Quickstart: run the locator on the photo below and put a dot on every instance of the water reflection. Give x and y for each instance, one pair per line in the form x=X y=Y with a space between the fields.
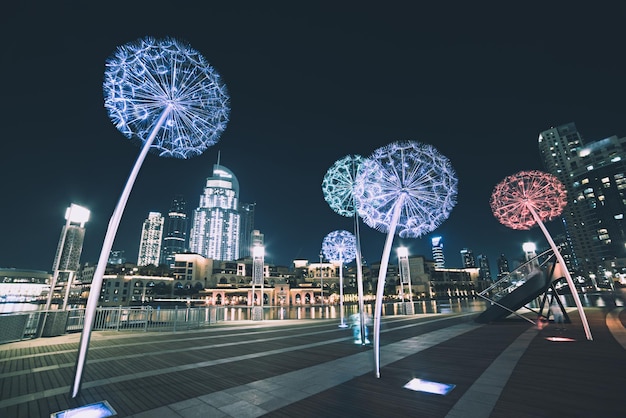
x=457 y=305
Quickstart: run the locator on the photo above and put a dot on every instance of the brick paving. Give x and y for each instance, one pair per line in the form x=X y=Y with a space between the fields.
x=309 y=368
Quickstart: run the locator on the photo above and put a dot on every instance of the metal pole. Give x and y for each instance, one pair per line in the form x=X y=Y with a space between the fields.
x=321 y=285
x=359 y=279
x=342 y=324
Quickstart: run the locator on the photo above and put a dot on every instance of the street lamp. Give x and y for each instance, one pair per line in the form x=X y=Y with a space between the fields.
x=67 y=258
x=405 y=278
x=258 y=254
x=321 y=283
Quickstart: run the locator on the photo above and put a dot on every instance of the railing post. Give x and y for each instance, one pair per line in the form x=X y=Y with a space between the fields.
x=175 y=316
x=119 y=317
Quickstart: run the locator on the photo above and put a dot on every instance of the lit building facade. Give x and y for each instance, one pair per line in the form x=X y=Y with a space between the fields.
x=216 y=222
x=150 y=244
x=192 y=272
x=175 y=231
x=594 y=175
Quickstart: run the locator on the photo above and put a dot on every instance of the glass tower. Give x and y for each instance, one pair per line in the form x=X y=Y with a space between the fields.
x=594 y=175
x=175 y=231
x=150 y=244
x=437 y=247
x=216 y=221
x=246 y=212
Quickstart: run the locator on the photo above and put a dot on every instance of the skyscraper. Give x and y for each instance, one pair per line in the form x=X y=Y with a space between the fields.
x=216 y=222
x=485 y=270
x=467 y=258
x=150 y=244
x=175 y=231
x=437 y=247
x=246 y=213
x=503 y=266
x=594 y=175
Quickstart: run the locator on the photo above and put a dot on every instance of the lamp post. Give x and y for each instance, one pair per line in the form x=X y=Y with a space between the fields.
x=321 y=284
x=405 y=278
x=67 y=258
x=530 y=250
x=258 y=254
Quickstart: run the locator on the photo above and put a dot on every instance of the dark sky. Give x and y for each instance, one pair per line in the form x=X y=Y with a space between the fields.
x=310 y=82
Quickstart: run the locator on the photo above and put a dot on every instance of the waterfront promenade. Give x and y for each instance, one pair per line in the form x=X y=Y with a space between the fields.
x=312 y=368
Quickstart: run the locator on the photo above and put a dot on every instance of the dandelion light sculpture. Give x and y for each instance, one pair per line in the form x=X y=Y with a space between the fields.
x=338 y=190
x=164 y=96
x=526 y=199
x=408 y=188
x=340 y=246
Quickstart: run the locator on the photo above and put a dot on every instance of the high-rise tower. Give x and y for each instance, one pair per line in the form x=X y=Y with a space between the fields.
x=485 y=270
x=594 y=175
x=216 y=222
x=437 y=247
x=150 y=244
x=467 y=258
x=175 y=231
x=246 y=213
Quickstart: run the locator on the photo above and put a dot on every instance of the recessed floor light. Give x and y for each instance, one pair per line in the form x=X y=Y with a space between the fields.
x=420 y=385
x=560 y=339
x=95 y=410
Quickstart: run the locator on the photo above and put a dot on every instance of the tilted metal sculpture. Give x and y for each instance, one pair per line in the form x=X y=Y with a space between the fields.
x=164 y=96
x=340 y=246
x=406 y=188
x=526 y=199
x=338 y=190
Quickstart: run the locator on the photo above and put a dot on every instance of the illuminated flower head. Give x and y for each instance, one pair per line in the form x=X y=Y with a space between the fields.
x=339 y=245
x=413 y=175
x=146 y=78
x=338 y=185
x=512 y=197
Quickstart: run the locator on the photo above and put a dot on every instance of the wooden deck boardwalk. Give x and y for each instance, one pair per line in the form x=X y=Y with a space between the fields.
x=313 y=368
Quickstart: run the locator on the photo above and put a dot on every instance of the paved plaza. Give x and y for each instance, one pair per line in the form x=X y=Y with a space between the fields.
x=313 y=368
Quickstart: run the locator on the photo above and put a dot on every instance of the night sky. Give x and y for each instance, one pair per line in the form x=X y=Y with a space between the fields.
x=309 y=84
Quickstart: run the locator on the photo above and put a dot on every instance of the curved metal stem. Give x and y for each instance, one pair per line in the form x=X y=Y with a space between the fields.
x=380 y=288
x=568 y=276
x=96 y=283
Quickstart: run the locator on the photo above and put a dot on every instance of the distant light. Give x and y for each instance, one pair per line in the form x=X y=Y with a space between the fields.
x=403 y=252
x=420 y=385
x=95 y=410
x=529 y=247
x=77 y=214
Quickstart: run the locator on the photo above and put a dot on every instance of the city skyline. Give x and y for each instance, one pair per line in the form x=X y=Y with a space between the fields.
x=308 y=86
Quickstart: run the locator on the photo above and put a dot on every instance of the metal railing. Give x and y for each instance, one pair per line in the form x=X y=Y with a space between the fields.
x=34 y=324
x=517 y=277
